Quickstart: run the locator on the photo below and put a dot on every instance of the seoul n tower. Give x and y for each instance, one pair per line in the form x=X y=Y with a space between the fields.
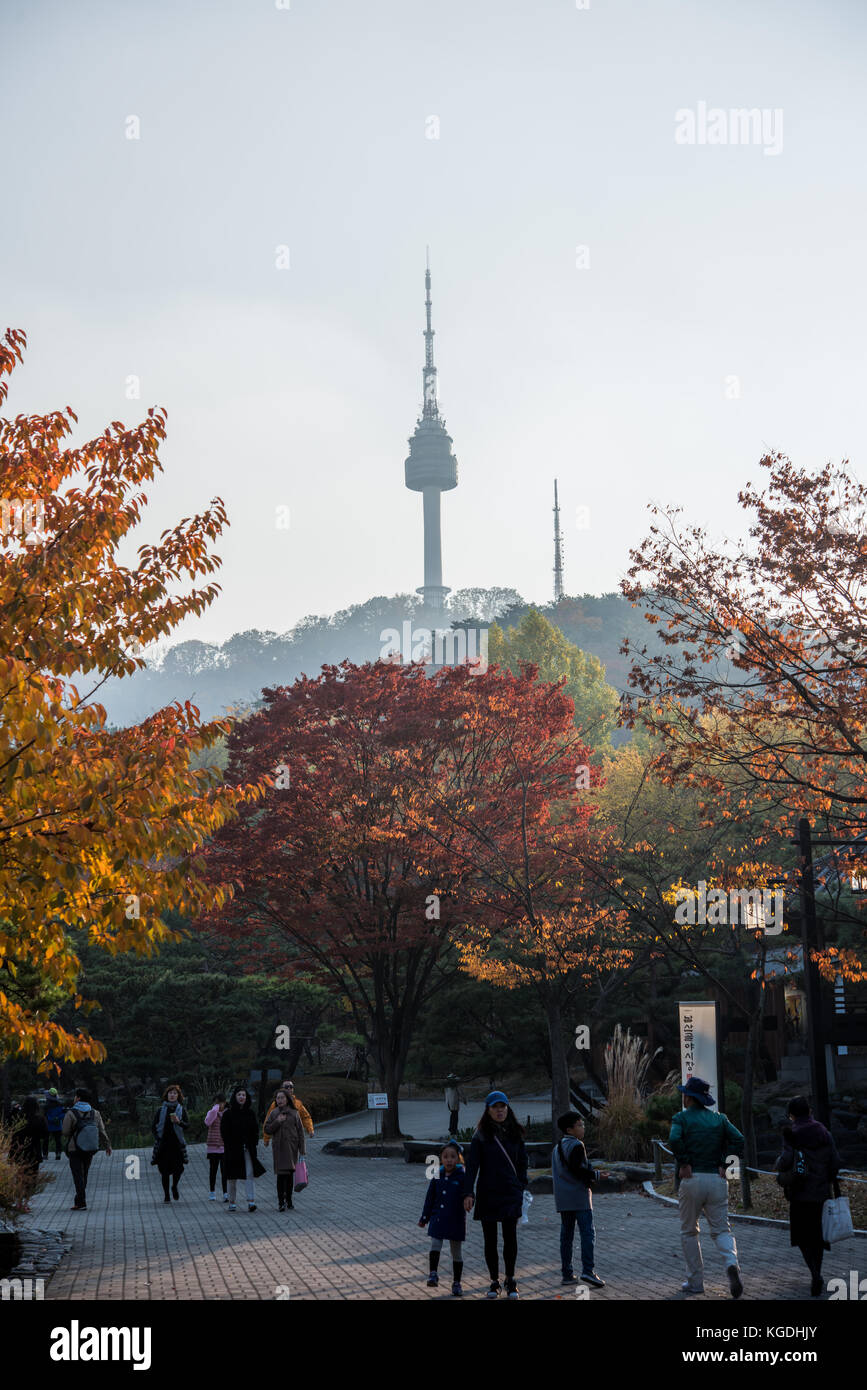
x=431 y=469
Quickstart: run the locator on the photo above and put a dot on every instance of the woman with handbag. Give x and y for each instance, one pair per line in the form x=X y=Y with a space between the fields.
x=288 y=1144
x=806 y=1169
x=170 y=1147
x=240 y=1134
x=495 y=1182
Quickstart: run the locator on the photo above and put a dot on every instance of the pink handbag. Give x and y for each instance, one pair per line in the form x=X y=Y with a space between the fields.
x=301 y=1176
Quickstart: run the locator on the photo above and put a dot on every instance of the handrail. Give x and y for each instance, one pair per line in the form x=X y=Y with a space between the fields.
x=768 y=1172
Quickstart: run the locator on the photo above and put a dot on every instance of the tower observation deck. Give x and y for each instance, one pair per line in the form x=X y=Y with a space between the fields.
x=431 y=469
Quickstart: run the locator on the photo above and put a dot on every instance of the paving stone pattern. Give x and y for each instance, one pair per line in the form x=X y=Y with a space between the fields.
x=353 y=1235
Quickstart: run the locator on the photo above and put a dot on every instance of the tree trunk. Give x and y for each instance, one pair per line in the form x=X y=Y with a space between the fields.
x=560 y=1101
x=131 y=1103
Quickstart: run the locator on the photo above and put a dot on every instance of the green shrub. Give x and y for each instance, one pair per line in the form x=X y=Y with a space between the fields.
x=18 y=1182
x=663 y=1106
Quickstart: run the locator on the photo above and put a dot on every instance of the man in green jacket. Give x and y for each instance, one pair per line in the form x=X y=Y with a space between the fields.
x=702 y=1142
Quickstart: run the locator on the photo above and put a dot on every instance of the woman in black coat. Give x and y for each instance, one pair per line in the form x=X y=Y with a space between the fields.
x=240 y=1132
x=170 y=1148
x=806 y=1169
x=498 y=1160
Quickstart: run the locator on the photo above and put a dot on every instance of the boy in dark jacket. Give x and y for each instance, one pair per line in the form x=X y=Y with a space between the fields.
x=444 y=1209
x=573 y=1179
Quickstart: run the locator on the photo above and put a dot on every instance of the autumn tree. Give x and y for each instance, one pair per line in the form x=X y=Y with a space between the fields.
x=511 y=806
x=97 y=826
x=339 y=860
x=667 y=837
x=759 y=684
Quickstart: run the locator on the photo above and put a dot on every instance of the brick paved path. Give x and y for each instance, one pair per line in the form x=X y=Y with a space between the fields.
x=353 y=1235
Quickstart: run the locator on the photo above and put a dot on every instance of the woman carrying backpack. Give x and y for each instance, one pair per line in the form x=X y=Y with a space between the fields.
x=82 y=1129
x=498 y=1159
x=240 y=1133
x=170 y=1146
x=806 y=1169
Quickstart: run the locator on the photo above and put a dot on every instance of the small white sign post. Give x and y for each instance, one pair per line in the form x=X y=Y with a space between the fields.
x=376 y=1101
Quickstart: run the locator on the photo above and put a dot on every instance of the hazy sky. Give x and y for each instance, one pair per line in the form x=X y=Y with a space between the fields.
x=309 y=128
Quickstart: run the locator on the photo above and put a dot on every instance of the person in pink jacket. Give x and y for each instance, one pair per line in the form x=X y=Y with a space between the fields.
x=214 y=1147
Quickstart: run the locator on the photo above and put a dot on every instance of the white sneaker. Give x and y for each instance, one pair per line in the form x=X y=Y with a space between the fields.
x=213 y=1196
x=232 y=1206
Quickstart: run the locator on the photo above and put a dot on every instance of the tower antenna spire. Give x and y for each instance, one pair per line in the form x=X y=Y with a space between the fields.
x=430 y=410
x=558 y=549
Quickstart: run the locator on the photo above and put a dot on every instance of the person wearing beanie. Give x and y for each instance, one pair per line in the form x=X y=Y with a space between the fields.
x=806 y=1168
x=573 y=1179
x=54 y=1113
x=83 y=1129
x=702 y=1143
x=444 y=1210
x=495 y=1182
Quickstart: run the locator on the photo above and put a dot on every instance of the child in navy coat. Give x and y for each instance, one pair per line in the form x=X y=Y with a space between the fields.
x=444 y=1209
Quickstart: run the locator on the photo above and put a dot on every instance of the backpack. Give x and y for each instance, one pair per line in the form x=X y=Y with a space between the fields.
x=86 y=1132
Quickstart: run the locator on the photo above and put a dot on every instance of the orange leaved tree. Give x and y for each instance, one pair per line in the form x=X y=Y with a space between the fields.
x=97 y=825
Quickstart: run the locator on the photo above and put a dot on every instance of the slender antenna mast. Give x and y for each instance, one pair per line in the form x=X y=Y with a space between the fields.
x=558 y=549
x=429 y=409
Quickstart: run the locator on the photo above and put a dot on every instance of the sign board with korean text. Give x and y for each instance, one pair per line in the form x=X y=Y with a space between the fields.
x=377 y=1100
x=698 y=1043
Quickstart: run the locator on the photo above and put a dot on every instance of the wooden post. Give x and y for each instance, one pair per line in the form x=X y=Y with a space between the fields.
x=809 y=937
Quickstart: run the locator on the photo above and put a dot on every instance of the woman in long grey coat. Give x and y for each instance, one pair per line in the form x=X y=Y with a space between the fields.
x=288 y=1143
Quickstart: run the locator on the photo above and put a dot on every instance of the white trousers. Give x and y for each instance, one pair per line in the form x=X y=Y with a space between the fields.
x=704 y=1193
x=232 y=1183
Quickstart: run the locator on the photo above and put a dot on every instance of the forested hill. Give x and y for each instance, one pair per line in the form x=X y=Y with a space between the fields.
x=220 y=677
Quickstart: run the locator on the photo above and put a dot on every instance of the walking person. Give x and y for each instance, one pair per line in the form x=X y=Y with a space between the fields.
x=453 y=1102
x=54 y=1113
x=240 y=1133
x=214 y=1147
x=495 y=1181
x=701 y=1142
x=444 y=1210
x=303 y=1112
x=806 y=1168
x=573 y=1180
x=283 y=1125
x=25 y=1146
x=170 y=1146
x=82 y=1129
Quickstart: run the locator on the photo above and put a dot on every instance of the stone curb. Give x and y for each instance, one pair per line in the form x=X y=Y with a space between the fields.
x=733 y=1215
